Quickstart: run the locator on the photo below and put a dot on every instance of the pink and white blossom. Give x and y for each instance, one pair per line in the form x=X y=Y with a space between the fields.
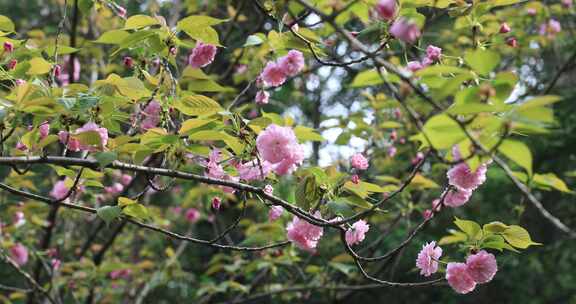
x=273 y=75
x=262 y=97
x=279 y=146
x=461 y=176
x=202 y=55
x=457 y=197
x=192 y=215
x=359 y=162
x=427 y=260
x=405 y=30
x=482 y=266
x=386 y=9
x=19 y=253
x=357 y=232
x=303 y=234
x=459 y=278
x=292 y=63
x=60 y=190
x=275 y=213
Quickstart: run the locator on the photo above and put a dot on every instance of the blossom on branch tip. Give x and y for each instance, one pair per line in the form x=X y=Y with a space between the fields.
x=19 y=253
x=128 y=62
x=457 y=197
x=405 y=30
x=357 y=232
x=358 y=161
x=386 y=9
x=292 y=63
x=60 y=190
x=414 y=66
x=427 y=260
x=262 y=97
x=433 y=53
x=459 y=279
x=8 y=47
x=303 y=234
x=482 y=266
x=273 y=75
x=202 y=55
x=461 y=176
x=504 y=28
x=279 y=146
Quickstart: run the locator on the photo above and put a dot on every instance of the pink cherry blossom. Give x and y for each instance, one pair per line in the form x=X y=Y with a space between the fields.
x=303 y=234
x=461 y=176
x=8 y=47
x=19 y=254
x=512 y=42
x=102 y=132
x=64 y=76
x=292 y=63
x=121 y=11
x=482 y=266
x=19 y=219
x=531 y=11
x=551 y=28
x=60 y=190
x=21 y=146
x=428 y=257
x=216 y=203
x=359 y=162
x=262 y=97
x=405 y=30
x=567 y=3
x=55 y=263
x=357 y=232
x=392 y=151
x=459 y=278
x=57 y=70
x=125 y=179
x=254 y=170
x=414 y=66
x=433 y=52
x=151 y=114
x=504 y=28
x=202 y=55
x=116 y=188
x=44 y=129
x=275 y=213
x=428 y=214
x=279 y=146
x=386 y=9
x=192 y=215
x=457 y=197
x=273 y=75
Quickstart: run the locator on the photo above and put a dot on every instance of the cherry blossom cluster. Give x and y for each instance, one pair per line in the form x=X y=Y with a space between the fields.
x=479 y=268
x=276 y=72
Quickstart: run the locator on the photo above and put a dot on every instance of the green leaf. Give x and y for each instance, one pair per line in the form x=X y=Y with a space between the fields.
x=200 y=28
x=306 y=134
x=192 y=124
x=366 y=78
x=85 y=6
x=138 y=211
x=494 y=227
x=539 y=101
x=39 y=66
x=436 y=70
x=482 y=61
x=112 y=37
x=518 y=237
x=109 y=213
x=6 y=25
x=518 y=152
x=307 y=193
x=124 y=201
x=140 y=21
x=471 y=228
x=550 y=180
x=196 y=105
x=89 y=138
x=254 y=40
x=105 y=158
x=455 y=237
x=496 y=242
x=442 y=131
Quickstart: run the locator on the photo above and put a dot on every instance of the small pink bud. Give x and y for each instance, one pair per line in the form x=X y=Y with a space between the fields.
x=268 y=189
x=428 y=214
x=504 y=28
x=216 y=202
x=8 y=47
x=12 y=64
x=355 y=179
x=55 y=264
x=531 y=11
x=21 y=146
x=393 y=135
x=121 y=12
x=262 y=97
x=173 y=50
x=57 y=70
x=511 y=41
x=128 y=62
x=20 y=82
